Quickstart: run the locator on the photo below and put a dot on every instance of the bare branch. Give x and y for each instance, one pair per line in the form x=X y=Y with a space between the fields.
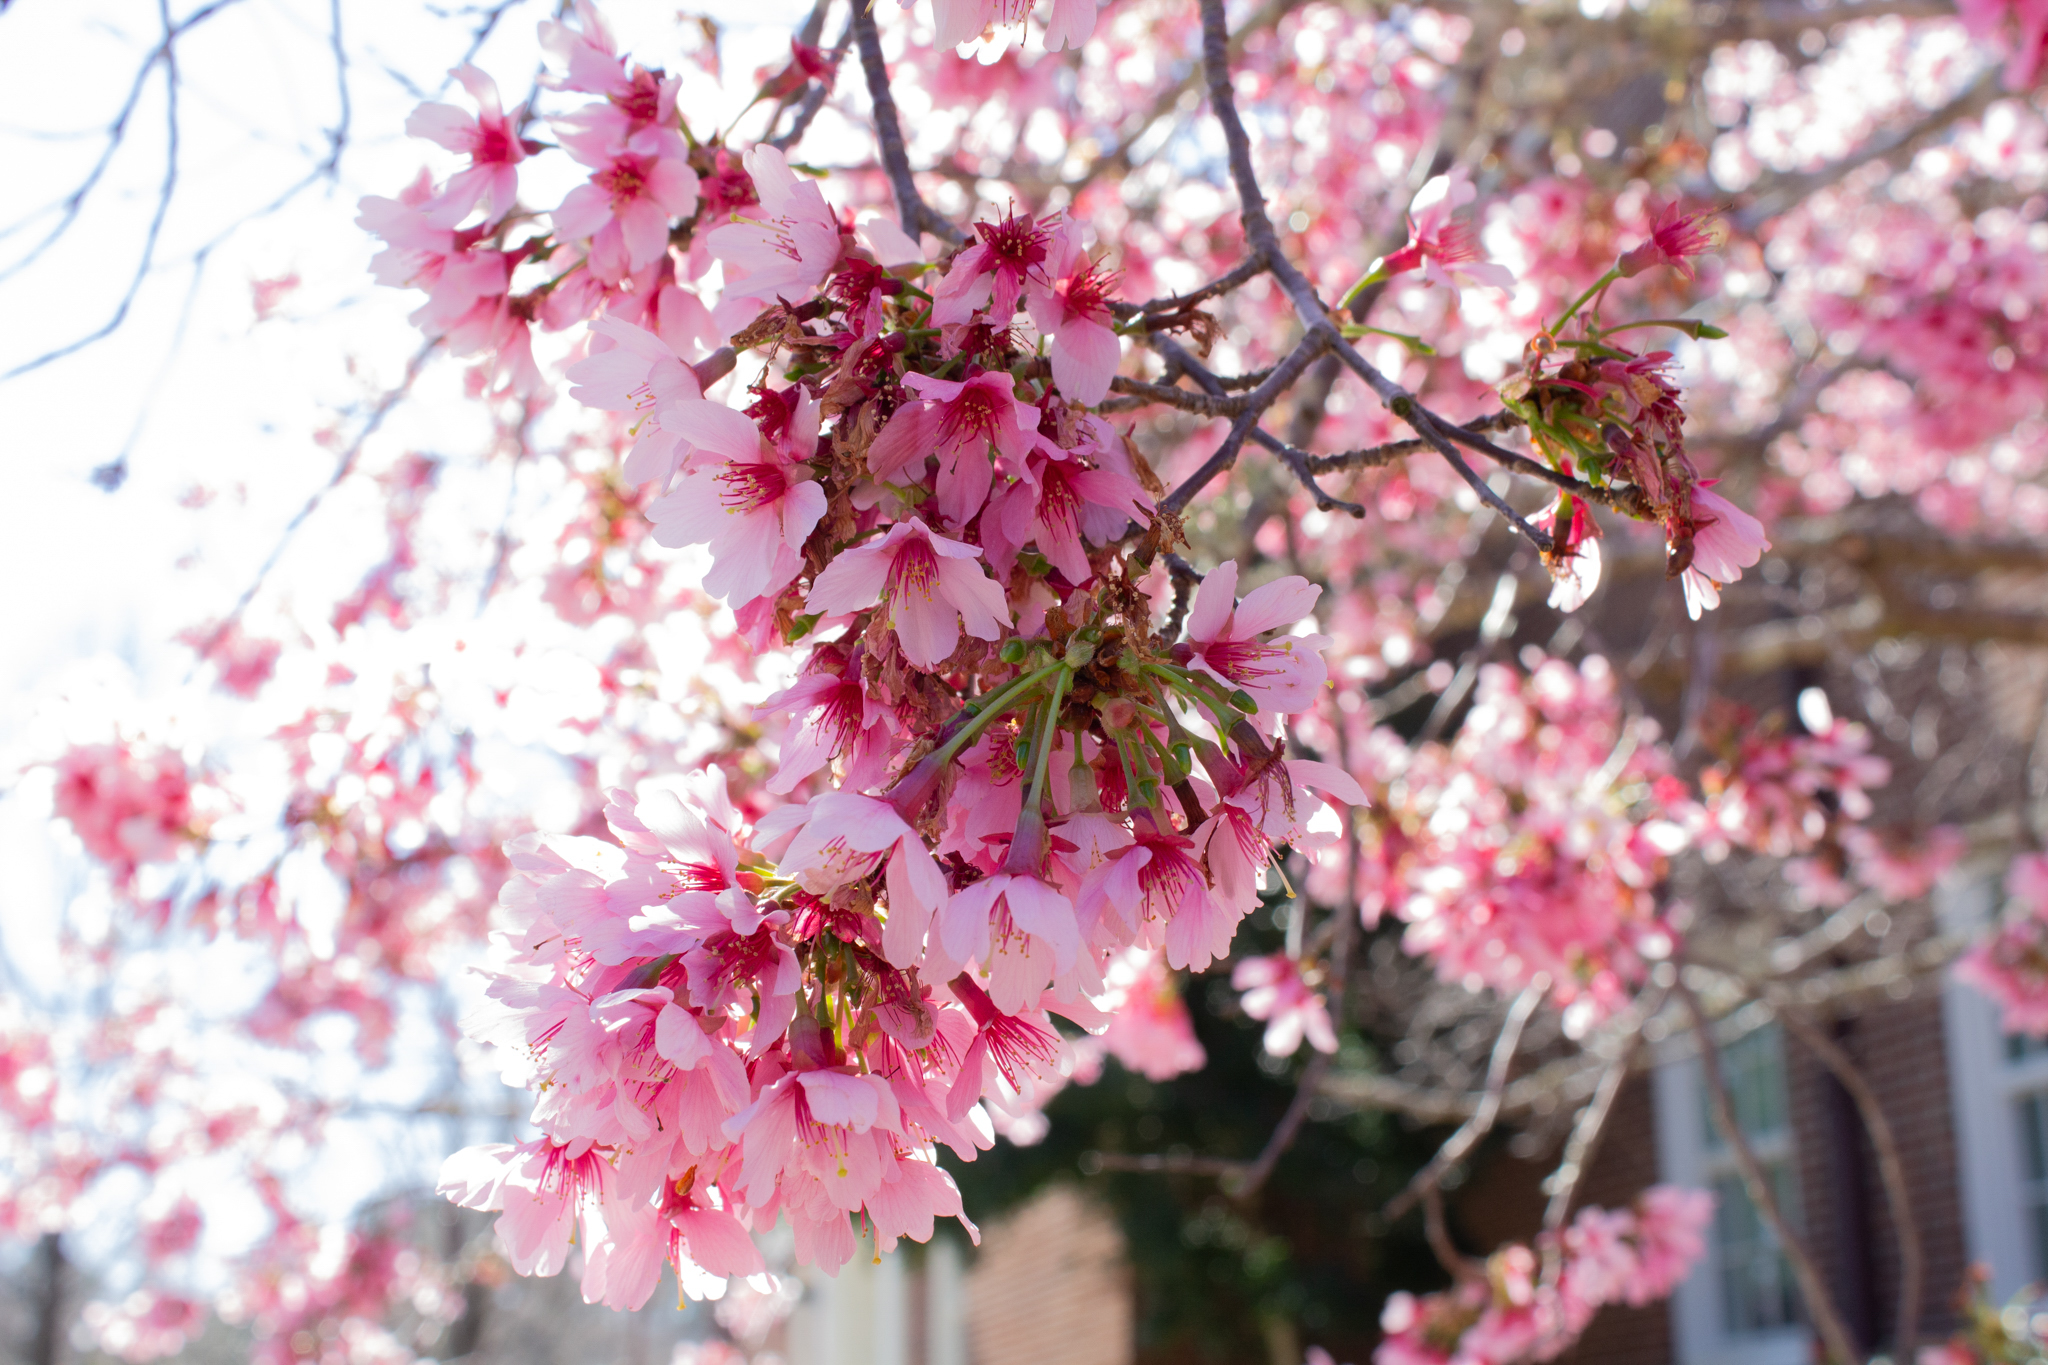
x=917 y=215
x=1263 y=397
x=1438 y=1235
x=1373 y=457
x=1246 y=1185
x=1481 y=1123
x=1250 y=268
x=1185 y=579
x=1578 y=1154
x=1309 y=308
x=1891 y=1170
x=1297 y=461
x=1820 y=1304
x=1201 y=404
x=342 y=469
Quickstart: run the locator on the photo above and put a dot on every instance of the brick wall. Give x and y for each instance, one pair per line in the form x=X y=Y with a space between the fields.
x=1624 y=1166
x=1050 y=1287
x=1899 y=1047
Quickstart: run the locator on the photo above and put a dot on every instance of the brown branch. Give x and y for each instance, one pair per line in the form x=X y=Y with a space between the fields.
x=1481 y=1123
x=1168 y=395
x=1891 y=1170
x=1315 y=319
x=1263 y=397
x=1578 y=1155
x=1820 y=1305
x=1245 y=1185
x=1186 y=577
x=1248 y=269
x=917 y=215
x=1374 y=457
x=1438 y=1235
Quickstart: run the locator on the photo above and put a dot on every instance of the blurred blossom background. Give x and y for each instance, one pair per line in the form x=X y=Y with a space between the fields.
x=303 y=625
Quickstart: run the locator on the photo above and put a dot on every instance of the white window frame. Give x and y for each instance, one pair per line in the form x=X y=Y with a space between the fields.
x=1984 y=1093
x=1699 y=1335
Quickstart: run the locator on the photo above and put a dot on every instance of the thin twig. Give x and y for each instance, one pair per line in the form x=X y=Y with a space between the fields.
x=1578 y=1155
x=1438 y=1234
x=1308 y=306
x=342 y=469
x=1891 y=1169
x=1820 y=1304
x=1246 y=1185
x=1480 y=1124
x=1168 y=395
x=1250 y=268
x=1263 y=397
x=167 y=54
x=1186 y=578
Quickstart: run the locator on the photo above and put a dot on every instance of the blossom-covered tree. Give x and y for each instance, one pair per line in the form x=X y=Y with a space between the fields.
x=1378 y=509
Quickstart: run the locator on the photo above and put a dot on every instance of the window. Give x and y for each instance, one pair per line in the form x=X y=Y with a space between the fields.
x=1998 y=1089
x=1740 y=1304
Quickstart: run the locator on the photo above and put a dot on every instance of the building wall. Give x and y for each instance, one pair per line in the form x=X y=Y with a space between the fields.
x=1051 y=1287
x=1900 y=1047
x=1623 y=1167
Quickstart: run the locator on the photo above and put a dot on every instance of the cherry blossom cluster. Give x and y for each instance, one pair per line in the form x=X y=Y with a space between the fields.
x=1004 y=783
x=1804 y=797
x=1015 y=781
x=1531 y=846
x=1533 y=1304
x=128 y=803
x=2011 y=966
x=1613 y=416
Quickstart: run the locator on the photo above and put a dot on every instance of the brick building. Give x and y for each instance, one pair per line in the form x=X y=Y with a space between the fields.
x=1969 y=1110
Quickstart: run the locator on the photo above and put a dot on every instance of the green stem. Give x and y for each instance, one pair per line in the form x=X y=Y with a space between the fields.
x=1609 y=278
x=998 y=705
x=1353 y=331
x=1695 y=328
x=1365 y=282
x=1041 y=757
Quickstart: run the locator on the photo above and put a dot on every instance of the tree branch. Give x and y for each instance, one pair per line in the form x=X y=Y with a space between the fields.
x=1891 y=1170
x=1827 y=1319
x=1480 y=1124
x=917 y=215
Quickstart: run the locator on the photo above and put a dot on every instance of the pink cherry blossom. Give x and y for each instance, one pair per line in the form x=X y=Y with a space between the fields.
x=641 y=374
x=931 y=588
x=1726 y=540
x=785 y=246
x=490 y=138
x=1293 y=1010
x=990 y=273
x=750 y=499
x=1444 y=249
x=1072 y=306
x=965 y=424
x=1281 y=676
x=625 y=207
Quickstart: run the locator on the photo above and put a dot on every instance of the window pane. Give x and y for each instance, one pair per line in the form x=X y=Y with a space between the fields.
x=1756 y=1284
x=2033 y=1115
x=1753 y=1068
x=2019 y=1047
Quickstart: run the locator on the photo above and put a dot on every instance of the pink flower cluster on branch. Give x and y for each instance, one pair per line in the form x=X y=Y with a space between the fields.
x=1514 y=1312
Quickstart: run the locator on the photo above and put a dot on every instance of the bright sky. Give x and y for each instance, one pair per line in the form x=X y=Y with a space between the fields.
x=225 y=423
